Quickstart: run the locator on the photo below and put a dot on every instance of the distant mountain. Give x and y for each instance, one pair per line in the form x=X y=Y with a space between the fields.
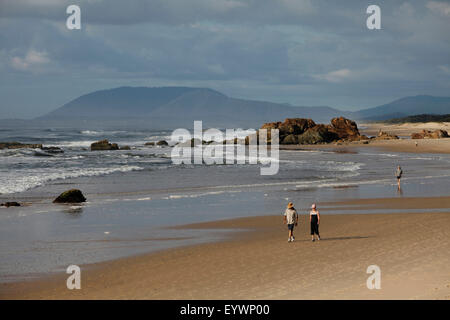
x=406 y=107
x=421 y=118
x=168 y=107
x=180 y=106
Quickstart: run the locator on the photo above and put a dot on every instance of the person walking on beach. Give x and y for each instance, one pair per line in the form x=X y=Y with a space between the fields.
x=291 y=219
x=398 y=174
x=314 y=218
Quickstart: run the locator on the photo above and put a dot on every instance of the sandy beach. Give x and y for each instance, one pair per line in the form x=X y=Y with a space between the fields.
x=402 y=129
x=410 y=248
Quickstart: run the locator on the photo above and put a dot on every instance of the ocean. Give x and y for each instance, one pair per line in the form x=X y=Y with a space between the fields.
x=135 y=196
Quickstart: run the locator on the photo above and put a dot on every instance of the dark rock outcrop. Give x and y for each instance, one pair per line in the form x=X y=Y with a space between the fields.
x=52 y=149
x=290 y=139
x=149 y=143
x=162 y=143
x=10 y=204
x=318 y=134
x=104 y=145
x=18 y=145
x=306 y=131
x=70 y=196
x=344 y=129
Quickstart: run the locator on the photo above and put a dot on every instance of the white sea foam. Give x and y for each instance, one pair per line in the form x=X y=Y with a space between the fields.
x=22 y=181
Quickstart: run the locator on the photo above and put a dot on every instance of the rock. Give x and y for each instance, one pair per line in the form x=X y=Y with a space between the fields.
x=295 y=126
x=52 y=149
x=10 y=204
x=344 y=129
x=386 y=136
x=439 y=134
x=149 y=143
x=426 y=134
x=290 y=139
x=318 y=134
x=104 y=145
x=70 y=196
x=162 y=143
x=306 y=131
x=125 y=148
x=18 y=145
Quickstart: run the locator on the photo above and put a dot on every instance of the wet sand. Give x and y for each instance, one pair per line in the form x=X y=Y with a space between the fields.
x=435 y=146
x=412 y=250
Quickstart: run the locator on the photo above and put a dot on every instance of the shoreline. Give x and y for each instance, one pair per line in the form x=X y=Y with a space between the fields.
x=254 y=264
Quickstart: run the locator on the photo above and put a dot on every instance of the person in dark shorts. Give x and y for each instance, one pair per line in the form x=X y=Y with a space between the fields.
x=314 y=218
x=398 y=174
x=291 y=219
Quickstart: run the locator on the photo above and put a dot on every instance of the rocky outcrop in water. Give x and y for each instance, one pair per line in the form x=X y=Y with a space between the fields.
x=70 y=196
x=162 y=143
x=426 y=134
x=52 y=149
x=18 y=145
x=10 y=204
x=103 y=145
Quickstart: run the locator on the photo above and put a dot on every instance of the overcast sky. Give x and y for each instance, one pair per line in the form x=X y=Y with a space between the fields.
x=303 y=52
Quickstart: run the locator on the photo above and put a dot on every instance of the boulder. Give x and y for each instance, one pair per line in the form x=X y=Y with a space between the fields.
x=149 y=143
x=439 y=134
x=70 y=196
x=18 y=145
x=104 y=145
x=386 y=136
x=318 y=134
x=344 y=129
x=10 y=204
x=426 y=134
x=162 y=143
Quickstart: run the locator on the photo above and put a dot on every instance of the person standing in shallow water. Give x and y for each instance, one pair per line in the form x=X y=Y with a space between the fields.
x=314 y=218
x=291 y=219
x=398 y=174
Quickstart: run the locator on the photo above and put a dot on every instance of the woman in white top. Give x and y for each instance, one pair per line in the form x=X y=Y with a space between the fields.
x=314 y=218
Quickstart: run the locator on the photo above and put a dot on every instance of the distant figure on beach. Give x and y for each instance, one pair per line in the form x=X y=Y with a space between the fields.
x=314 y=218
x=417 y=144
x=398 y=174
x=291 y=219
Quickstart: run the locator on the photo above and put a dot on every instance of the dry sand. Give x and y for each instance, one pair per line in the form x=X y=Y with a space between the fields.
x=402 y=129
x=412 y=250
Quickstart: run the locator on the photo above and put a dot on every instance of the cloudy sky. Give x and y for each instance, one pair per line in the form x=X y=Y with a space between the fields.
x=303 y=52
